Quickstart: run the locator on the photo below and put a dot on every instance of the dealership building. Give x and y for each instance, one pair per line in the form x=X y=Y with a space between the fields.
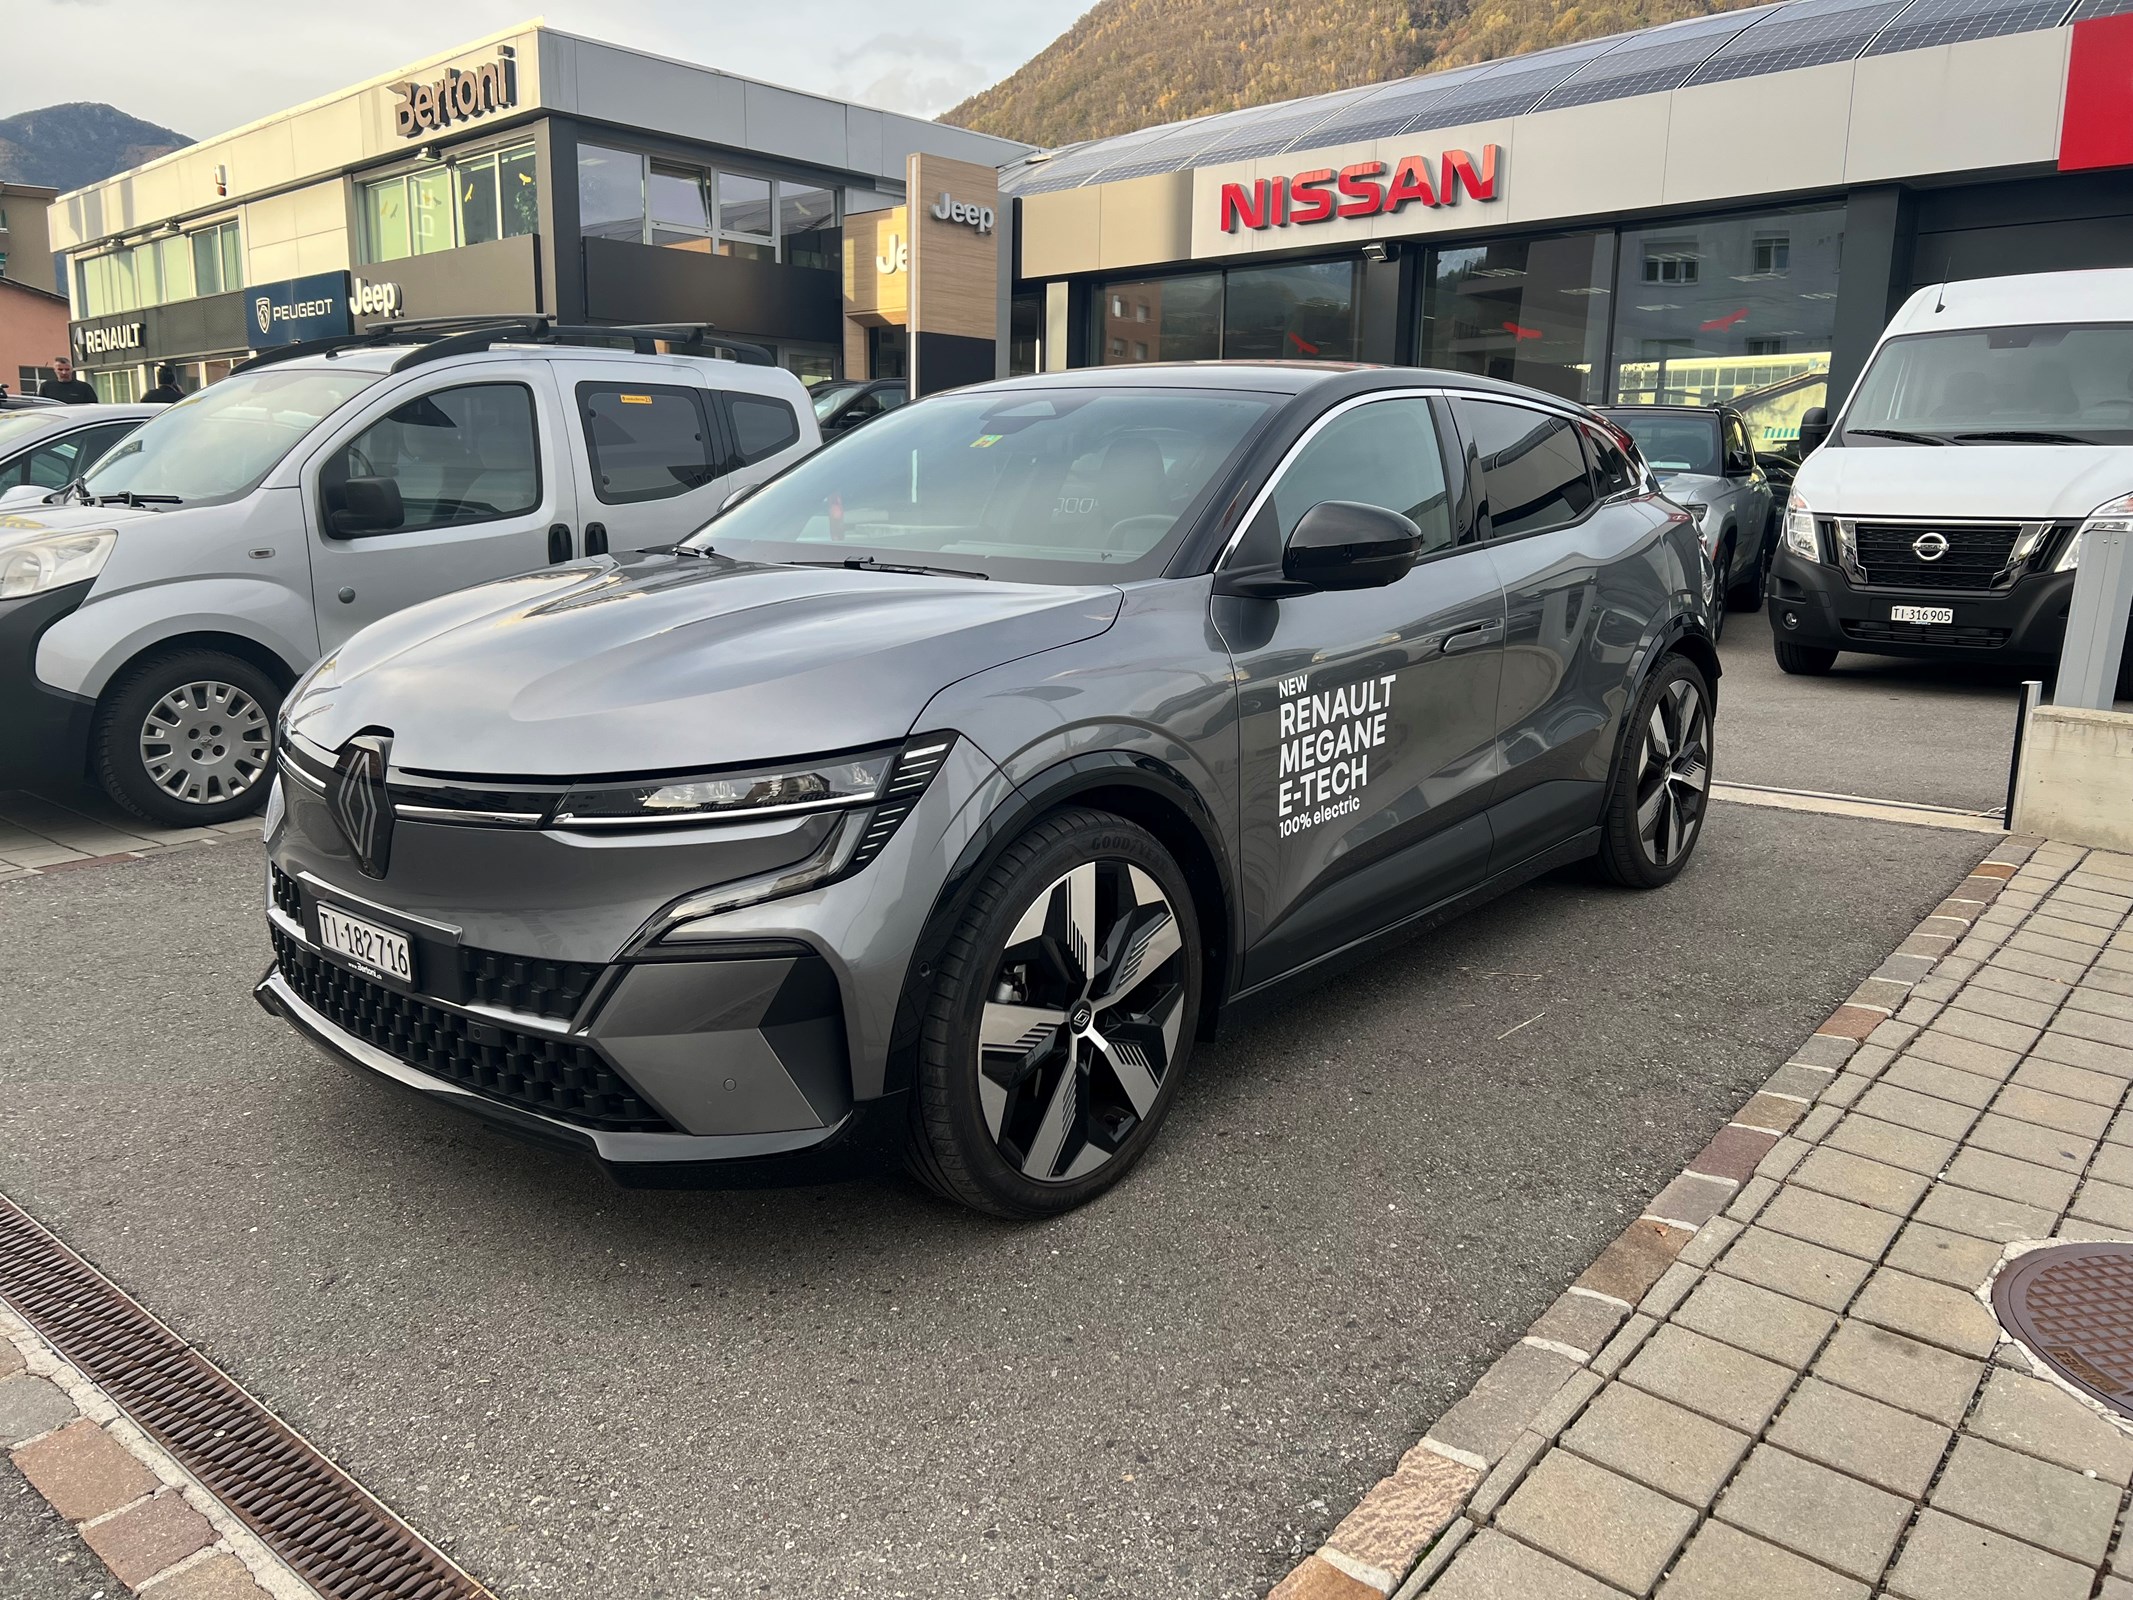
x=1722 y=207
x=539 y=172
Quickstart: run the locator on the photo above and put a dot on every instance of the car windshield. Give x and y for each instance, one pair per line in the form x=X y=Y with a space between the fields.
x=2044 y=384
x=830 y=396
x=217 y=444
x=19 y=427
x=1673 y=441
x=1065 y=485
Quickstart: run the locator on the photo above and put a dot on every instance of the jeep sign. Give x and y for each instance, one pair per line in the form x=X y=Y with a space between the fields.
x=1362 y=190
x=949 y=209
x=456 y=97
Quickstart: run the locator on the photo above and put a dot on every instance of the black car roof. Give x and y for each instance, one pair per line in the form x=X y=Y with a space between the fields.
x=1270 y=377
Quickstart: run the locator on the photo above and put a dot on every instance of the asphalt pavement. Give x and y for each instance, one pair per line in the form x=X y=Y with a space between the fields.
x=580 y=1391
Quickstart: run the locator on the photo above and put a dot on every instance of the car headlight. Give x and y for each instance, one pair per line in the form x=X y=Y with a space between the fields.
x=1800 y=535
x=820 y=785
x=2113 y=516
x=1696 y=509
x=855 y=839
x=54 y=561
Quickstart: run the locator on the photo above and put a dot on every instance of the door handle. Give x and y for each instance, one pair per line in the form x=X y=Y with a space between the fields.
x=596 y=538
x=1473 y=637
x=558 y=543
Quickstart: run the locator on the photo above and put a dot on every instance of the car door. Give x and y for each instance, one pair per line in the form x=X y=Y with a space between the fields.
x=1367 y=717
x=1751 y=487
x=1564 y=517
x=650 y=458
x=434 y=487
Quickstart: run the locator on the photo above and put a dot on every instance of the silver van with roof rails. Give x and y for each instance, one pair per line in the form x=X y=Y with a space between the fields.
x=154 y=612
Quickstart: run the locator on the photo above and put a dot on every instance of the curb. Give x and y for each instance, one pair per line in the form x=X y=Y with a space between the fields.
x=1408 y=1526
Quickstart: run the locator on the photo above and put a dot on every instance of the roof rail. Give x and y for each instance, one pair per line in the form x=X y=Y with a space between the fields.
x=437 y=338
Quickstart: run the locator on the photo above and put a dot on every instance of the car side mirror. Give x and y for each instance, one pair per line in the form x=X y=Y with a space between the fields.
x=1814 y=428
x=738 y=496
x=367 y=505
x=1344 y=544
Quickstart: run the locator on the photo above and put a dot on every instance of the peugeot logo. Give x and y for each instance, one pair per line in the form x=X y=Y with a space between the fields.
x=361 y=807
x=263 y=313
x=1930 y=546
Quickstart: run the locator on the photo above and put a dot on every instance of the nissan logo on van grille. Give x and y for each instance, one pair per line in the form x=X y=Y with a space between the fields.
x=1930 y=546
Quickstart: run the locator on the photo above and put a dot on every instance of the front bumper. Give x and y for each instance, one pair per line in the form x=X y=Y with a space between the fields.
x=43 y=734
x=1816 y=605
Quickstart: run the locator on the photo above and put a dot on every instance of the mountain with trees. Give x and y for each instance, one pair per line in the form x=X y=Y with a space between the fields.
x=1130 y=63
x=83 y=141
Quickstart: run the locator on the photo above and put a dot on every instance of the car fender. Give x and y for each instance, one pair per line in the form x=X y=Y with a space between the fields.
x=81 y=653
x=1677 y=631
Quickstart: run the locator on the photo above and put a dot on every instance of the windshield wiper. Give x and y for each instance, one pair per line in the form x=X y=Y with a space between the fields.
x=869 y=564
x=1899 y=433
x=2026 y=436
x=128 y=498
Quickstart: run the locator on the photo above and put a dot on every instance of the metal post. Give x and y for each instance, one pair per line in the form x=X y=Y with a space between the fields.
x=2096 y=622
x=2027 y=702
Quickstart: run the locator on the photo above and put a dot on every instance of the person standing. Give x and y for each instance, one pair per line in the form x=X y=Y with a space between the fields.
x=65 y=387
x=166 y=392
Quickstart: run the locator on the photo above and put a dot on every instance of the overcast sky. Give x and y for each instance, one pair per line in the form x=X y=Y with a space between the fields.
x=205 y=66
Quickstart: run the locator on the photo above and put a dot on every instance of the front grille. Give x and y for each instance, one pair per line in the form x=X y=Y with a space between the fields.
x=1927 y=633
x=555 y=1077
x=1977 y=553
x=522 y=983
x=288 y=899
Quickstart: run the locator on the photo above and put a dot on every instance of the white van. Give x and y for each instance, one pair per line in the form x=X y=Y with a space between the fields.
x=1942 y=516
x=152 y=618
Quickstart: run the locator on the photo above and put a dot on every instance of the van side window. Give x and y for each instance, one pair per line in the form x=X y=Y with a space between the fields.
x=445 y=459
x=1533 y=474
x=762 y=426
x=647 y=441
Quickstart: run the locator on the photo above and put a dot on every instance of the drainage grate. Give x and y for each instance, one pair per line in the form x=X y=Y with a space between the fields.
x=303 y=1508
x=2072 y=1305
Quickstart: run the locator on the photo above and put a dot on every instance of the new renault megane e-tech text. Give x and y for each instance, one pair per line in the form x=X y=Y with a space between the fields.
x=940 y=794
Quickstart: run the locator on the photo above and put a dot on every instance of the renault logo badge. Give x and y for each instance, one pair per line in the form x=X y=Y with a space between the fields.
x=1930 y=546
x=361 y=808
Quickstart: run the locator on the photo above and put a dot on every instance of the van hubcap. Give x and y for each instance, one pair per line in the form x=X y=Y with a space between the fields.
x=205 y=742
x=1673 y=773
x=1081 y=1021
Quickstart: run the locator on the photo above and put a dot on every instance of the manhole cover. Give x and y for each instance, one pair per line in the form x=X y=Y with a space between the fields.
x=2072 y=1304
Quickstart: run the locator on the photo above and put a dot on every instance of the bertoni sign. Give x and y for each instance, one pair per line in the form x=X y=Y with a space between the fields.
x=1361 y=190
x=456 y=97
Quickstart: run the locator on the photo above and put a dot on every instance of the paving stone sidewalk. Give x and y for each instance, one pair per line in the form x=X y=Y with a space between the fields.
x=1781 y=1383
x=39 y=833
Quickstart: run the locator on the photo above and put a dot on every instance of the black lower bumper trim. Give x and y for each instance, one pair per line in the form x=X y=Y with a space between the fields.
x=1816 y=606
x=46 y=732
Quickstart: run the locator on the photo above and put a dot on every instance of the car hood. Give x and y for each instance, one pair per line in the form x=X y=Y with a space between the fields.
x=661 y=663
x=20 y=523
x=2027 y=482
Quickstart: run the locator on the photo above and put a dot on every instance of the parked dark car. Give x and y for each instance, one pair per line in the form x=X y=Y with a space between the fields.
x=843 y=405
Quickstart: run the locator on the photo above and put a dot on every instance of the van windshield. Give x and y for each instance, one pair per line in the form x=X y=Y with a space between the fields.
x=218 y=444
x=2065 y=383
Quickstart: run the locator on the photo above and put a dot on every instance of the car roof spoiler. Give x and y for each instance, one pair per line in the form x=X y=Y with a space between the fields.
x=435 y=338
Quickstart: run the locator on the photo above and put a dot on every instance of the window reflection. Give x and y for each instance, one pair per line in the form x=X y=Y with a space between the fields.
x=1531 y=311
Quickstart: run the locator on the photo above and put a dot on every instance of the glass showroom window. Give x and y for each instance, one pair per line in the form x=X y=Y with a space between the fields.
x=469 y=201
x=807 y=227
x=622 y=195
x=610 y=193
x=1532 y=311
x=745 y=217
x=681 y=210
x=217 y=268
x=1759 y=312
x=1304 y=312
x=1163 y=319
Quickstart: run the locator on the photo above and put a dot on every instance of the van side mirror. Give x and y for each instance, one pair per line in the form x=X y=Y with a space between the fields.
x=1344 y=544
x=366 y=505
x=1814 y=428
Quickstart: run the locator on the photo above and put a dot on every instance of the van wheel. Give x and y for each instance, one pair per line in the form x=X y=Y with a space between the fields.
x=1802 y=660
x=1662 y=781
x=1061 y=1015
x=187 y=739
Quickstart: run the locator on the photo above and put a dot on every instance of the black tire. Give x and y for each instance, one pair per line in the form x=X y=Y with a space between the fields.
x=961 y=1131
x=1721 y=564
x=1802 y=660
x=1747 y=594
x=235 y=758
x=1658 y=796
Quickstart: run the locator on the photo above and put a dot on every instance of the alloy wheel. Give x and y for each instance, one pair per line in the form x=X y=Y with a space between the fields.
x=205 y=742
x=1081 y=1021
x=1673 y=773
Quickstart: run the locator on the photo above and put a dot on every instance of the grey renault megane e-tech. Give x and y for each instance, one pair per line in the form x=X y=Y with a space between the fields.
x=940 y=794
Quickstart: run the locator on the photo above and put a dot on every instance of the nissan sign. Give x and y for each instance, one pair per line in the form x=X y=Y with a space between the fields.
x=456 y=97
x=1365 y=189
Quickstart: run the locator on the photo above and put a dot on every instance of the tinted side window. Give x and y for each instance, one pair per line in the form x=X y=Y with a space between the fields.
x=1611 y=469
x=762 y=426
x=647 y=442
x=456 y=456
x=49 y=465
x=1532 y=471
x=1736 y=439
x=1382 y=454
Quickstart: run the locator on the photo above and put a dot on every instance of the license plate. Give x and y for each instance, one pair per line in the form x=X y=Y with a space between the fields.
x=1921 y=613
x=366 y=944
